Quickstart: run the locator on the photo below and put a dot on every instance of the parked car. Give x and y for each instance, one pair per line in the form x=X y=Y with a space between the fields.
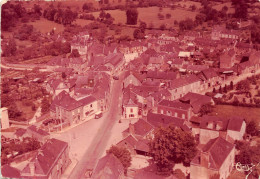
x=115 y=77
x=98 y=115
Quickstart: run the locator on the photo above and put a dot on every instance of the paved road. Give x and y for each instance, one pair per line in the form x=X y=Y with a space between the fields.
x=98 y=145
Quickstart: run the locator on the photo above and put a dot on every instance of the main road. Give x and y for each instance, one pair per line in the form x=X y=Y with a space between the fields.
x=99 y=143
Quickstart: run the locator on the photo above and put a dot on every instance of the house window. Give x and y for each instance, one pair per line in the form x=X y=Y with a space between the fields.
x=176 y=114
x=183 y=116
x=168 y=113
x=131 y=115
x=91 y=105
x=131 y=110
x=161 y=111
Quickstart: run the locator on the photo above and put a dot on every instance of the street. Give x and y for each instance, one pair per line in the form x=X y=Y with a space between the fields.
x=99 y=142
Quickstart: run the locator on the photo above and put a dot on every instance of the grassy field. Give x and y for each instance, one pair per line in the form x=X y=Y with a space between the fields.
x=28 y=113
x=150 y=15
x=45 y=26
x=228 y=4
x=82 y=22
x=228 y=110
x=189 y=3
x=41 y=60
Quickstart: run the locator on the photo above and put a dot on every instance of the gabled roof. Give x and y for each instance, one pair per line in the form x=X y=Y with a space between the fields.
x=20 y=132
x=162 y=75
x=158 y=120
x=10 y=172
x=196 y=100
x=114 y=58
x=47 y=157
x=175 y=104
x=108 y=167
x=87 y=100
x=141 y=128
x=214 y=123
x=54 y=83
x=235 y=124
x=189 y=79
x=218 y=149
x=38 y=130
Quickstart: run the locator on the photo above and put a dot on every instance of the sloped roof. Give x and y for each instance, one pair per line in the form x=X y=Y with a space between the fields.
x=10 y=172
x=108 y=167
x=20 y=132
x=158 y=120
x=162 y=75
x=214 y=121
x=175 y=104
x=141 y=128
x=38 y=130
x=219 y=149
x=87 y=100
x=189 y=79
x=196 y=100
x=235 y=123
x=47 y=157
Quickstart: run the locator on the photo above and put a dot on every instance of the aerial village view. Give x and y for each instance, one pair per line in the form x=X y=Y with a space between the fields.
x=130 y=89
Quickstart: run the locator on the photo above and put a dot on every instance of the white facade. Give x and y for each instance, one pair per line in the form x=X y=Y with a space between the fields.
x=4 y=118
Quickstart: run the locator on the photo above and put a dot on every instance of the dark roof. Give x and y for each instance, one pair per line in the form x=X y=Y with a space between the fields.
x=141 y=127
x=38 y=130
x=10 y=172
x=189 y=79
x=175 y=104
x=235 y=123
x=196 y=100
x=46 y=157
x=214 y=123
x=218 y=150
x=108 y=167
x=158 y=120
x=87 y=100
x=20 y=132
x=162 y=75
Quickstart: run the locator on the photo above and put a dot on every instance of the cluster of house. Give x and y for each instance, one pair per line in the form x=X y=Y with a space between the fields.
x=50 y=161
x=79 y=97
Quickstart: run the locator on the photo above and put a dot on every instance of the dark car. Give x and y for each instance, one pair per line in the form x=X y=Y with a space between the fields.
x=115 y=77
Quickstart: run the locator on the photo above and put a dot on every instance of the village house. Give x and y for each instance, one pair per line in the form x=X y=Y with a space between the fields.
x=196 y=101
x=81 y=42
x=71 y=111
x=180 y=87
x=56 y=86
x=115 y=62
x=209 y=78
x=175 y=109
x=220 y=32
x=230 y=129
x=108 y=167
x=215 y=158
x=132 y=77
x=228 y=59
x=50 y=162
x=37 y=133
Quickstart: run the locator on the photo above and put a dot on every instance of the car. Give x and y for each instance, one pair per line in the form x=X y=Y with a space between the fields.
x=98 y=115
x=115 y=77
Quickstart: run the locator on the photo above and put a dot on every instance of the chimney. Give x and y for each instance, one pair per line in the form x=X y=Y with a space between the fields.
x=32 y=168
x=131 y=128
x=210 y=125
x=204 y=159
x=219 y=125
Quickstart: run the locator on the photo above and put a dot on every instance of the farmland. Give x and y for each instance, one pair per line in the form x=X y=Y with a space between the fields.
x=150 y=15
x=218 y=7
x=44 y=26
x=248 y=113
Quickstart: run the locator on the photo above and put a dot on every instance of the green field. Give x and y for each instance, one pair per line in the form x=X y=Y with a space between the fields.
x=229 y=110
x=150 y=15
x=189 y=3
x=45 y=26
x=218 y=7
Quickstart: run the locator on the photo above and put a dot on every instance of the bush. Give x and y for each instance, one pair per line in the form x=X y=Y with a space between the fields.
x=160 y=16
x=168 y=16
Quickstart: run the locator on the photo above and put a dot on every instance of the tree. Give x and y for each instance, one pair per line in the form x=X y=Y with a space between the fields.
x=171 y=145
x=138 y=34
x=220 y=89
x=225 y=89
x=63 y=75
x=45 y=106
x=122 y=154
x=65 y=47
x=252 y=129
x=13 y=111
x=132 y=15
x=10 y=48
x=74 y=53
x=231 y=85
x=206 y=109
x=187 y=24
x=179 y=174
x=243 y=86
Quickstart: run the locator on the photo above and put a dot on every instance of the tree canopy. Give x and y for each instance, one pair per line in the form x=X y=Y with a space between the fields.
x=132 y=15
x=172 y=145
x=122 y=154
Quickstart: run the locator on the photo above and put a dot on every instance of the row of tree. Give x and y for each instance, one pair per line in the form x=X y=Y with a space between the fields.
x=61 y=16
